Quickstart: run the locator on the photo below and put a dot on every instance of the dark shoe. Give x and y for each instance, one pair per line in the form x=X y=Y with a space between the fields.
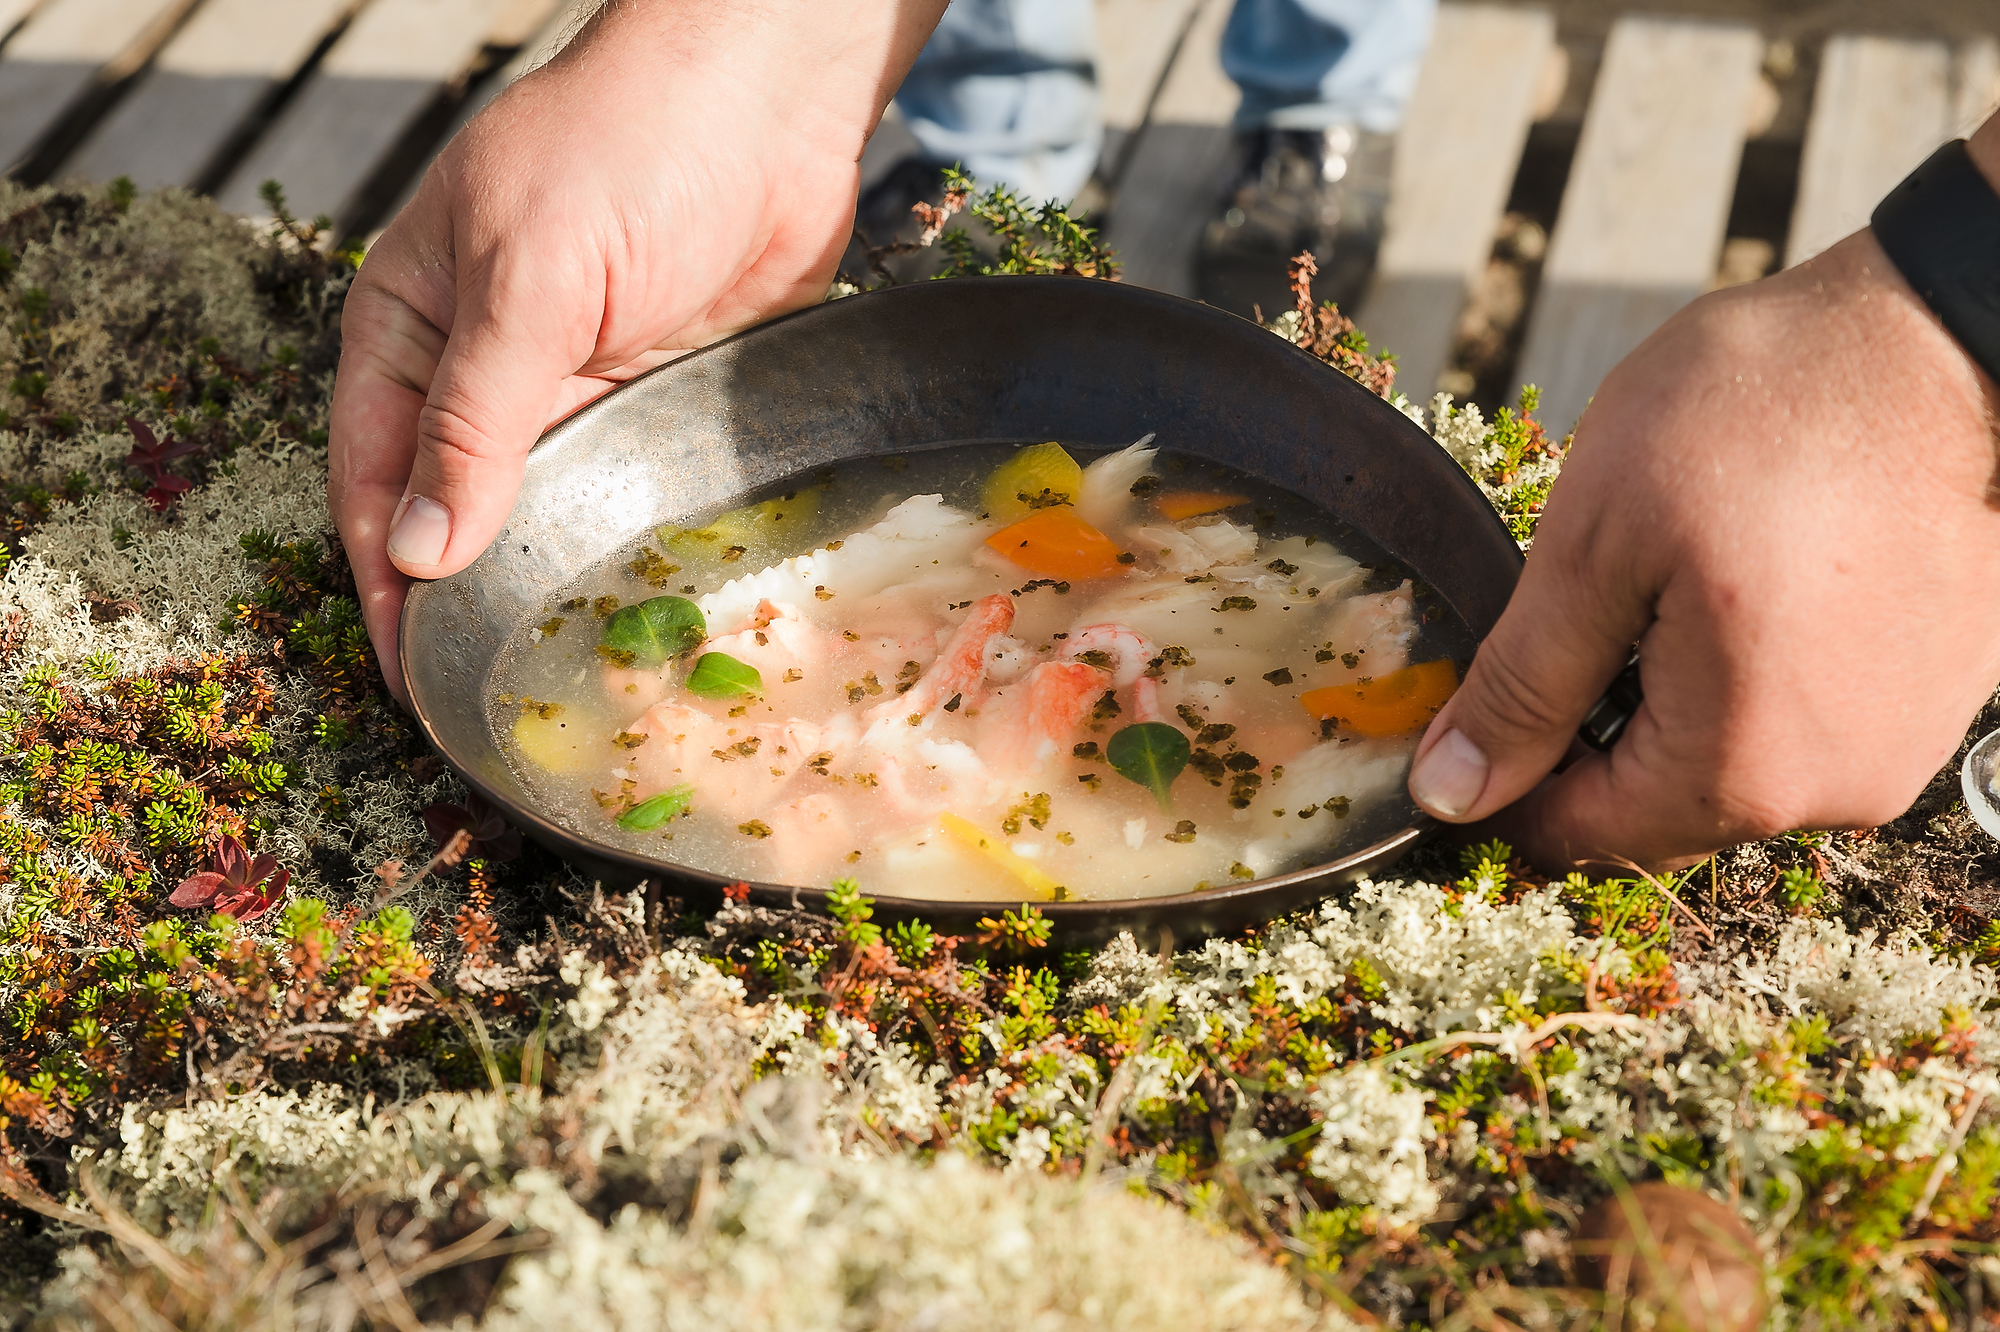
x=1323 y=191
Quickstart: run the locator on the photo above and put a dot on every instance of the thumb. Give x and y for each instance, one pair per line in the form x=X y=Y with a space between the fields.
x=1557 y=646
x=496 y=386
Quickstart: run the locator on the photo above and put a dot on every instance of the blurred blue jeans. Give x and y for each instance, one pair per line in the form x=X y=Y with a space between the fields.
x=1009 y=87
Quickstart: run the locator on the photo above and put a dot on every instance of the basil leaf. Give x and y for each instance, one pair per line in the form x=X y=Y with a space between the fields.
x=647 y=634
x=719 y=675
x=650 y=813
x=1151 y=754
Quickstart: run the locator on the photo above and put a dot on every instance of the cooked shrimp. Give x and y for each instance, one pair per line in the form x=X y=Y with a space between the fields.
x=925 y=777
x=1146 y=700
x=632 y=688
x=776 y=642
x=809 y=831
x=1131 y=650
x=961 y=665
x=738 y=769
x=1043 y=715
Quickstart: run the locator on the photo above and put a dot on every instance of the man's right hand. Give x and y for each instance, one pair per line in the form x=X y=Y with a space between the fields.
x=684 y=169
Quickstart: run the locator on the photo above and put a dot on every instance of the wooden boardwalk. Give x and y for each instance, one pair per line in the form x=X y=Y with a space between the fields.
x=1647 y=144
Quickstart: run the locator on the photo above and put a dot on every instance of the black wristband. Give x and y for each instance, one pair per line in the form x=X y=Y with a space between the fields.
x=1941 y=228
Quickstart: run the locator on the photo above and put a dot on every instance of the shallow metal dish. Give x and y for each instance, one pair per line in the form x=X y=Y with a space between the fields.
x=1010 y=358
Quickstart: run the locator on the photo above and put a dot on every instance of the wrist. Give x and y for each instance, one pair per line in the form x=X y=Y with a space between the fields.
x=821 y=70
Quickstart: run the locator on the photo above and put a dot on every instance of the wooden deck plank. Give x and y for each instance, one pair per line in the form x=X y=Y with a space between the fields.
x=228 y=58
x=1456 y=157
x=1880 y=106
x=559 y=22
x=386 y=69
x=12 y=12
x=1643 y=214
x=1975 y=84
x=1180 y=164
x=63 y=48
x=1135 y=39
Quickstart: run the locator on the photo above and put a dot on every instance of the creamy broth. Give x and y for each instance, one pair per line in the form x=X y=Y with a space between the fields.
x=977 y=672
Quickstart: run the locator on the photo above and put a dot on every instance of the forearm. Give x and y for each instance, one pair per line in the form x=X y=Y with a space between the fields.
x=825 y=68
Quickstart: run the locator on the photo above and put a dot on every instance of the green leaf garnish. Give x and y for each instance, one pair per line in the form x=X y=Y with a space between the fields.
x=1151 y=754
x=647 y=634
x=653 y=811
x=719 y=675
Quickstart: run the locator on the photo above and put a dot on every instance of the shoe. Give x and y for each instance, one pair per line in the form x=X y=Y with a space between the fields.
x=1326 y=191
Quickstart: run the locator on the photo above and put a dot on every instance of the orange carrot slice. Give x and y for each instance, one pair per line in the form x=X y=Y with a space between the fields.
x=1055 y=543
x=1393 y=704
x=1193 y=503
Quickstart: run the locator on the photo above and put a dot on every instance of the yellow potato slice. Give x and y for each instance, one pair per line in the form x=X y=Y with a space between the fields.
x=994 y=849
x=752 y=529
x=553 y=744
x=1036 y=477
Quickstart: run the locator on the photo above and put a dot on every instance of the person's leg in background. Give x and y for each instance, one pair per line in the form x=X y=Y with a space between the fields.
x=1008 y=89
x=1324 y=84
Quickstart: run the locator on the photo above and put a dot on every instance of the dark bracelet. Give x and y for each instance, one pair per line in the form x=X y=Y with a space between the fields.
x=1941 y=228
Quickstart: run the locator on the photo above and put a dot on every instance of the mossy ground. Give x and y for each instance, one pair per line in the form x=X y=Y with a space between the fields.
x=422 y=1089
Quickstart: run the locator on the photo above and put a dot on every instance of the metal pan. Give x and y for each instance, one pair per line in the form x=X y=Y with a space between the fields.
x=1009 y=358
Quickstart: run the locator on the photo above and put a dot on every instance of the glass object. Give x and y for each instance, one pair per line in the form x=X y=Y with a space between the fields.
x=1980 y=778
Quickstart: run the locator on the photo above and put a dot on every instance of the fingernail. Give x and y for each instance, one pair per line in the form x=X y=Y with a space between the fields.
x=420 y=532
x=1448 y=779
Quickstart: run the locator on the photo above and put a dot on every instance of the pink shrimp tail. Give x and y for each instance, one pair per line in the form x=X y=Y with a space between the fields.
x=1146 y=699
x=961 y=666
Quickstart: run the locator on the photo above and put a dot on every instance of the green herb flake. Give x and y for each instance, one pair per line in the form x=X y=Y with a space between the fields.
x=653 y=567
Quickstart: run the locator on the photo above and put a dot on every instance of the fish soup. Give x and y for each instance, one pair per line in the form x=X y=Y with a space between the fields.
x=987 y=672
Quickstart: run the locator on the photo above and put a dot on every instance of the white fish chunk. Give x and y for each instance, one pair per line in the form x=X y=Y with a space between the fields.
x=1198 y=550
x=921 y=529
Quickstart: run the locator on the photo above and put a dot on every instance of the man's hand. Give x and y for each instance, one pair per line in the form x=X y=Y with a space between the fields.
x=686 y=168
x=1788 y=498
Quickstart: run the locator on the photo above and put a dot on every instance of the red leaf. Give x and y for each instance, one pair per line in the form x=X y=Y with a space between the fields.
x=142 y=433
x=231 y=860
x=441 y=820
x=253 y=901
x=492 y=838
x=197 y=889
